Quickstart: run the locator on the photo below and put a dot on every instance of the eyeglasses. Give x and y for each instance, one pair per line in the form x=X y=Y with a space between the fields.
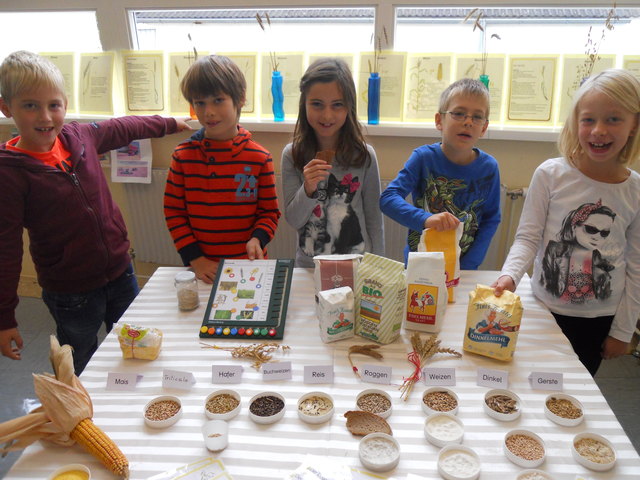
x=591 y=230
x=461 y=117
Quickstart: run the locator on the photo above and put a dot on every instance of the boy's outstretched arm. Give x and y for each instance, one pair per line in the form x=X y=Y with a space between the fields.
x=11 y=343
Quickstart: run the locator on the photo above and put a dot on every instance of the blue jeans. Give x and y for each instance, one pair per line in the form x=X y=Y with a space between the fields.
x=78 y=316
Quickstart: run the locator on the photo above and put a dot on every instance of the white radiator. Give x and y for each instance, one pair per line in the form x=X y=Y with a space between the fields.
x=152 y=242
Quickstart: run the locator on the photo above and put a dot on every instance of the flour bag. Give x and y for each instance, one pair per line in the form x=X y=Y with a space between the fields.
x=334 y=271
x=380 y=292
x=336 y=314
x=426 y=299
x=448 y=242
x=493 y=323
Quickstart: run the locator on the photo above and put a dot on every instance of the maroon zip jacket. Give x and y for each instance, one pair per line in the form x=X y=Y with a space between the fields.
x=78 y=239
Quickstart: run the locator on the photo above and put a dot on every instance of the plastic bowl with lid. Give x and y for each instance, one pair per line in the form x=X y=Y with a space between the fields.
x=443 y=429
x=219 y=405
x=315 y=407
x=374 y=400
x=563 y=409
x=162 y=411
x=439 y=400
x=266 y=407
x=457 y=462
x=379 y=452
x=533 y=474
x=504 y=400
x=216 y=435
x=593 y=451
x=524 y=448
x=75 y=471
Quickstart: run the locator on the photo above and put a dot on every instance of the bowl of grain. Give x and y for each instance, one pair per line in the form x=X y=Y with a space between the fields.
x=163 y=411
x=457 y=462
x=533 y=474
x=593 y=451
x=315 y=407
x=438 y=400
x=503 y=405
x=563 y=409
x=524 y=448
x=376 y=401
x=222 y=405
x=266 y=407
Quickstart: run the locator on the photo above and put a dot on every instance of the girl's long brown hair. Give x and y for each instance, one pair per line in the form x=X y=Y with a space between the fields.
x=351 y=150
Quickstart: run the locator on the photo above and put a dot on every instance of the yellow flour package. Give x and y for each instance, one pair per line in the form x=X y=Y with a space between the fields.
x=492 y=323
x=448 y=242
x=426 y=292
x=139 y=342
x=380 y=292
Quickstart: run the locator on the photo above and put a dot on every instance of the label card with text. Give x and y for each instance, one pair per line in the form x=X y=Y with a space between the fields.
x=546 y=381
x=493 y=378
x=439 y=376
x=177 y=379
x=318 y=374
x=376 y=374
x=276 y=371
x=122 y=381
x=226 y=373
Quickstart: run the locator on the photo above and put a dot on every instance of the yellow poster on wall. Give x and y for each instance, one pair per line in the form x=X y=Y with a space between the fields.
x=179 y=63
x=290 y=67
x=632 y=63
x=473 y=66
x=247 y=63
x=426 y=77
x=95 y=86
x=531 y=89
x=144 y=81
x=66 y=64
x=391 y=70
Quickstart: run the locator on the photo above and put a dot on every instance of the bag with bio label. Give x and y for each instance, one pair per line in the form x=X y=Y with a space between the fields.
x=448 y=242
x=426 y=291
x=380 y=291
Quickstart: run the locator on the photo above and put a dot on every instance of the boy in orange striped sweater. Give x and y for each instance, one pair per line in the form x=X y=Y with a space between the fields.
x=220 y=199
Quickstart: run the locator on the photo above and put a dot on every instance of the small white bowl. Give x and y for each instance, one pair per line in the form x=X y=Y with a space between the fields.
x=441 y=438
x=532 y=473
x=373 y=391
x=373 y=460
x=311 y=417
x=216 y=435
x=504 y=417
x=450 y=450
x=222 y=416
x=566 y=422
x=520 y=461
x=429 y=411
x=70 y=468
x=590 y=464
x=271 y=418
x=166 y=422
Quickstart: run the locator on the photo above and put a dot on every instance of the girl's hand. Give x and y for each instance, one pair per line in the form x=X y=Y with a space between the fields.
x=441 y=221
x=612 y=348
x=11 y=343
x=254 y=250
x=505 y=282
x=205 y=269
x=314 y=172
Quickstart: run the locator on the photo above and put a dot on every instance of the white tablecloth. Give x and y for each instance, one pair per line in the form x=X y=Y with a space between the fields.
x=272 y=451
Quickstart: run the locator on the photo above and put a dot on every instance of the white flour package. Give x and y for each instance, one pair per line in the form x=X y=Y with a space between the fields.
x=426 y=291
x=336 y=314
x=334 y=271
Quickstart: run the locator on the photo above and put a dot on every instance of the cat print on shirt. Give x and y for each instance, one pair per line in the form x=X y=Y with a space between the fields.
x=333 y=227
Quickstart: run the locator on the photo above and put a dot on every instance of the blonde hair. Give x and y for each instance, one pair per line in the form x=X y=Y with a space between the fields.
x=622 y=87
x=212 y=75
x=464 y=87
x=24 y=71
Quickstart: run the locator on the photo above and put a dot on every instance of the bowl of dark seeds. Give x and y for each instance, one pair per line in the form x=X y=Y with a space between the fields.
x=375 y=401
x=502 y=405
x=163 y=411
x=266 y=407
x=222 y=405
x=439 y=400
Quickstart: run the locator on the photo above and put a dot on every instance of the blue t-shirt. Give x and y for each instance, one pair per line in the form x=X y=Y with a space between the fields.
x=438 y=185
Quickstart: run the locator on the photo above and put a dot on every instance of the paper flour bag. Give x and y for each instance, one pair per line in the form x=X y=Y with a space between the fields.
x=334 y=271
x=492 y=323
x=336 y=314
x=380 y=292
x=426 y=299
x=449 y=243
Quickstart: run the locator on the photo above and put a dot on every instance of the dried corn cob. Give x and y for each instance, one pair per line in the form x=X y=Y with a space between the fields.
x=90 y=437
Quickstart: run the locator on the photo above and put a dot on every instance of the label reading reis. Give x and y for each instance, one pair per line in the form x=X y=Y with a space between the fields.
x=318 y=374
x=375 y=374
x=226 y=373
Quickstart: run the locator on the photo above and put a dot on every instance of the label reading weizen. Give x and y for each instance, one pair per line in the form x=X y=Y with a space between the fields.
x=439 y=376
x=226 y=373
x=375 y=374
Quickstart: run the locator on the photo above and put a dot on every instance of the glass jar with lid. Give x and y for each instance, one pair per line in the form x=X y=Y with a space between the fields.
x=187 y=290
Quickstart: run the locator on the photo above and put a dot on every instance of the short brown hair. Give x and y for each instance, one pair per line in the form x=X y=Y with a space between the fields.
x=24 y=71
x=212 y=75
x=464 y=87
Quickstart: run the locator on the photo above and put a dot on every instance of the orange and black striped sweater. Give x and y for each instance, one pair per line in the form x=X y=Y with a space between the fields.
x=219 y=195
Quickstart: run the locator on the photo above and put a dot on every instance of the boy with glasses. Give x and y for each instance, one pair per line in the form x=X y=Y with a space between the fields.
x=452 y=180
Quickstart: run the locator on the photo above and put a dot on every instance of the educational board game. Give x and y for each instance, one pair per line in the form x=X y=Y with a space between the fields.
x=248 y=300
